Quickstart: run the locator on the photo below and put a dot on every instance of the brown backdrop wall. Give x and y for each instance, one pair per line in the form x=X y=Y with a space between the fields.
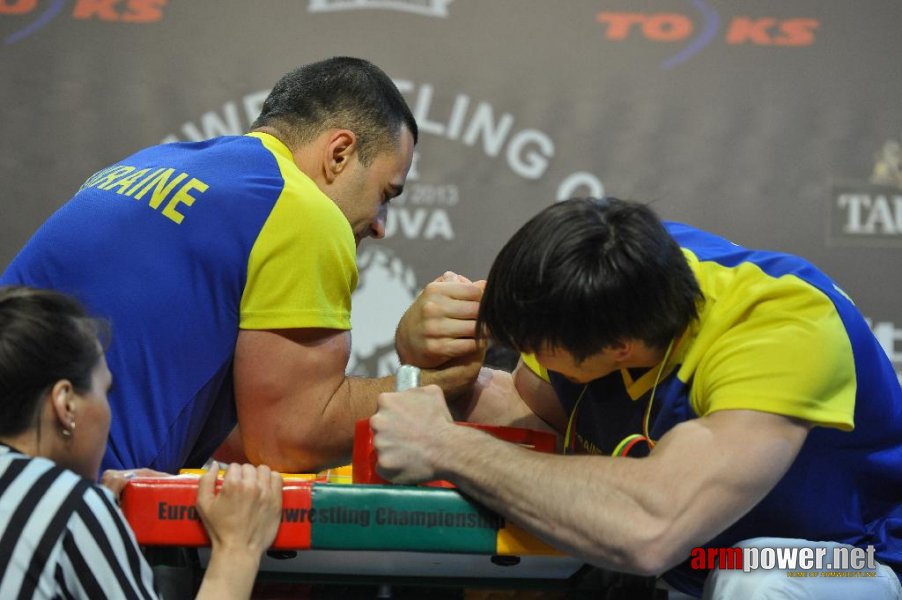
x=775 y=123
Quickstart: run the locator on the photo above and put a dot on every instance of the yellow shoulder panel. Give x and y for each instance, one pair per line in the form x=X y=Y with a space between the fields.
x=302 y=268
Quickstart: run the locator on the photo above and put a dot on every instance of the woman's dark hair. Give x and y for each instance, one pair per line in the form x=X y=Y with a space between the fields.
x=584 y=274
x=340 y=92
x=45 y=336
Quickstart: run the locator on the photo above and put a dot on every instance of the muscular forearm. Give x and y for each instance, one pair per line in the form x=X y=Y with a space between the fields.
x=309 y=441
x=642 y=515
x=494 y=401
x=326 y=439
x=296 y=407
x=355 y=399
x=588 y=506
x=639 y=515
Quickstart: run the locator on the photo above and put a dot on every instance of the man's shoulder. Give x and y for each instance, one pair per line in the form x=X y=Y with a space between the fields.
x=240 y=147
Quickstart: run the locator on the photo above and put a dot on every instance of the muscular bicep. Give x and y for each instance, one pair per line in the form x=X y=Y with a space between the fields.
x=711 y=471
x=284 y=379
x=540 y=397
x=498 y=399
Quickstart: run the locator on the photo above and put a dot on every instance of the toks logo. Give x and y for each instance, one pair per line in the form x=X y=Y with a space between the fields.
x=675 y=27
x=124 y=11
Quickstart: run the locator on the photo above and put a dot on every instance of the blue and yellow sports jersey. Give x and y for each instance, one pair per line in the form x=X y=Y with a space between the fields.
x=777 y=335
x=180 y=246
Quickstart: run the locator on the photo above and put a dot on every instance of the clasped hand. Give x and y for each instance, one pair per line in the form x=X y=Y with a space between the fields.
x=405 y=429
x=440 y=325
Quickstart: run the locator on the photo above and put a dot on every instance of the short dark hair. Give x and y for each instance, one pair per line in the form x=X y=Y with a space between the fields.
x=586 y=273
x=45 y=336
x=339 y=92
x=500 y=357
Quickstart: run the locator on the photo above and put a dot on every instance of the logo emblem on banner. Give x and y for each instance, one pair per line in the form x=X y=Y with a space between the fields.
x=871 y=212
x=429 y=8
x=676 y=27
x=110 y=11
x=888 y=165
x=385 y=289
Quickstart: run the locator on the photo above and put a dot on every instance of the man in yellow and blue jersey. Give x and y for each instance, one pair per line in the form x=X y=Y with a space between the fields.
x=226 y=268
x=707 y=396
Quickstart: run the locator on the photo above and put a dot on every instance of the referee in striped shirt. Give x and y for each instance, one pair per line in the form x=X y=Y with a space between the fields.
x=61 y=535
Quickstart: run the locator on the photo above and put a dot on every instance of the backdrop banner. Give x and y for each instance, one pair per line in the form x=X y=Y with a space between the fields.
x=775 y=123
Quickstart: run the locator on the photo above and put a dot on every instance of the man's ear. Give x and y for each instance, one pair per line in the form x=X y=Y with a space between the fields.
x=62 y=398
x=622 y=350
x=340 y=148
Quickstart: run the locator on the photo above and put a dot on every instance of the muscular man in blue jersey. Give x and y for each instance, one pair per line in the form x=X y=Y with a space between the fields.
x=708 y=397
x=226 y=268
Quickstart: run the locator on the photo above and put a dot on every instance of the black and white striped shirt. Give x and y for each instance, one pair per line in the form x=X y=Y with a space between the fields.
x=61 y=536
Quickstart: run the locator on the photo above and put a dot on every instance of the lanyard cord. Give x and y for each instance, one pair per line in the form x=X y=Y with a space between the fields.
x=651 y=442
x=570 y=422
x=629 y=441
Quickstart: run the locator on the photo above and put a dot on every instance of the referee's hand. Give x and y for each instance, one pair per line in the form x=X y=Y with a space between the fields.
x=115 y=480
x=245 y=513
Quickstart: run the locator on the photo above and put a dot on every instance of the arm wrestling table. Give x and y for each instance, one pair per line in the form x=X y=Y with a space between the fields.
x=366 y=533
